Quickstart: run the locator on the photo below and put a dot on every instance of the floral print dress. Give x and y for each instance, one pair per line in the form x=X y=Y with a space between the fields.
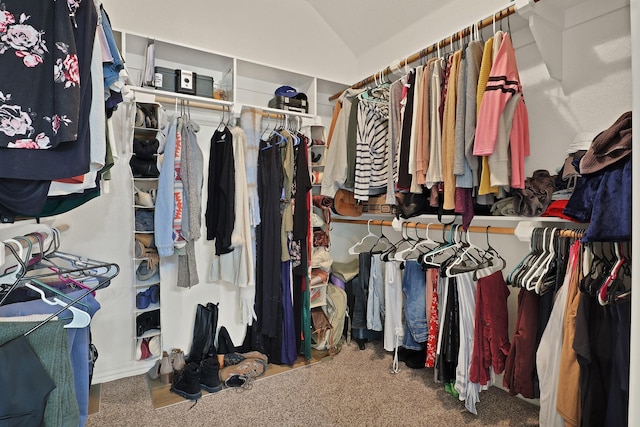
x=40 y=83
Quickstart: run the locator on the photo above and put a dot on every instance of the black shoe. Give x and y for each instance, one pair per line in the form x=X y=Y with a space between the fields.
x=187 y=383
x=225 y=344
x=213 y=310
x=417 y=359
x=209 y=377
x=202 y=335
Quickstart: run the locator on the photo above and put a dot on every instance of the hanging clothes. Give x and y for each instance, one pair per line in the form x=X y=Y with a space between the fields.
x=549 y=350
x=220 y=211
x=268 y=264
x=504 y=83
x=372 y=144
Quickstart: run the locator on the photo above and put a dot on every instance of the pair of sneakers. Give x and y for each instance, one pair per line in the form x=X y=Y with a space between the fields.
x=149 y=296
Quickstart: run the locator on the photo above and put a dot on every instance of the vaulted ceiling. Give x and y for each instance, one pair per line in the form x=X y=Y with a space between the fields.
x=363 y=24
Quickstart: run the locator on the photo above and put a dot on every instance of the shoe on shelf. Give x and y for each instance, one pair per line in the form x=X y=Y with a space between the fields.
x=166 y=370
x=177 y=360
x=154 y=372
x=154 y=346
x=144 y=245
x=243 y=373
x=235 y=358
x=209 y=375
x=147 y=297
x=144 y=198
x=142 y=349
x=187 y=383
x=146 y=269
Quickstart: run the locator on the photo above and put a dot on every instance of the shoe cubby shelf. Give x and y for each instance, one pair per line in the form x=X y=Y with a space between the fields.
x=236 y=81
x=152 y=306
x=143 y=149
x=150 y=333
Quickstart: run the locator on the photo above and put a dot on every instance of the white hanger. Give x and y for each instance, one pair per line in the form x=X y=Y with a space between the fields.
x=542 y=270
x=11 y=277
x=400 y=256
x=461 y=257
x=352 y=249
x=80 y=319
x=526 y=280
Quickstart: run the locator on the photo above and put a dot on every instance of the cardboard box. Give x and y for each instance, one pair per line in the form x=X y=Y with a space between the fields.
x=377 y=205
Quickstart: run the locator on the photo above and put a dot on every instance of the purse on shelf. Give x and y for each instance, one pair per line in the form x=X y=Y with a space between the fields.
x=145 y=149
x=320 y=323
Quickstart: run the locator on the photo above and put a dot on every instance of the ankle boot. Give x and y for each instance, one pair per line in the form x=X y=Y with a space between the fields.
x=213 y=309
x=187 y=383
x=201 y=341
x=209 y=379
x=166 y=370
x=225 y=345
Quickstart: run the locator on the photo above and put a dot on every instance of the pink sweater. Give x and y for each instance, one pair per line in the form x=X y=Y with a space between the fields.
x=504 y=82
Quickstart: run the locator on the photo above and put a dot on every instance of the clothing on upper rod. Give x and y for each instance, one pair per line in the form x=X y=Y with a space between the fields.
x=81 y=46
x=435 y=146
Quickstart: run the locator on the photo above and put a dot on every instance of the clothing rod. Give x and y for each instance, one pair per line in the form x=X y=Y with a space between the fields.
x=432 y=226
x=213 y=107
x=34 y=239
x=510 y=10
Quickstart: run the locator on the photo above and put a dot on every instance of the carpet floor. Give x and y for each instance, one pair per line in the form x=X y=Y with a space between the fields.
x=354 y=388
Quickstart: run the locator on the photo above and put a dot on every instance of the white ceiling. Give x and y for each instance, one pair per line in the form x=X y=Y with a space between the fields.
x=364 y=24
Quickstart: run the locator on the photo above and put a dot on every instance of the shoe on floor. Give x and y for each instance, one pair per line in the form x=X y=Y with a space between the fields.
x=187 y=383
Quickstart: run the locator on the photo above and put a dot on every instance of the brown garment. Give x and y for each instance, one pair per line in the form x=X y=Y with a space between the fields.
x=568 y=401
x=448 y=134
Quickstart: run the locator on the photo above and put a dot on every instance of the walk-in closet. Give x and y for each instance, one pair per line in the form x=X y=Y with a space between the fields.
x=350 y=213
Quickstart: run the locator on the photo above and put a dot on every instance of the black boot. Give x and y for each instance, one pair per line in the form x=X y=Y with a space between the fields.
x=209 y=379
x=245 y=347
x=202 y=336
x=225 y=345
x=187 y=383
x=213 y=310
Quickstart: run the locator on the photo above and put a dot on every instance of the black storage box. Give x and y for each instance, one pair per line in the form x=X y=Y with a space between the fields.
x=186 y=82
x=289 y=104
x=165 y=79
x=204 y=86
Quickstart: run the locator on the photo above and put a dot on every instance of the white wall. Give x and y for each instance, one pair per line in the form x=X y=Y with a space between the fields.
x=288 y=34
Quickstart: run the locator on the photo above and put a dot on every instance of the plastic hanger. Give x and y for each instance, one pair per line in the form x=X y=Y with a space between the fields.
x=406 y=253
x=613 y=276
x=491 y=261
x=540 y=255
x=541 y=273
x=81 y=319
x=14 y=273
x=452 y=271
x=352 y=249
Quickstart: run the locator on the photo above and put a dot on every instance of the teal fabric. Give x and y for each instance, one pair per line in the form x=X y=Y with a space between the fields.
x=51 y=344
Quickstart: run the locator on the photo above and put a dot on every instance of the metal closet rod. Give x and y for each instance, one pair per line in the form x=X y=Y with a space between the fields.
x=213 y=107
x=432 y=226
x=433 y=48
x=34 y=239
